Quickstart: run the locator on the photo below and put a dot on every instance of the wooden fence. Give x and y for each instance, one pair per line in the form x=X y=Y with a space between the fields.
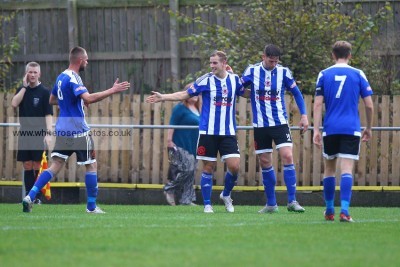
x=130 y=39
x=141 y=155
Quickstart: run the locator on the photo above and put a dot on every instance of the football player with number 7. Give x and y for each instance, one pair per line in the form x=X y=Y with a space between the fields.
x=340 y=86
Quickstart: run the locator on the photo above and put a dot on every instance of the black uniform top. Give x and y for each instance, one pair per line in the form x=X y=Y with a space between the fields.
x=34 y=107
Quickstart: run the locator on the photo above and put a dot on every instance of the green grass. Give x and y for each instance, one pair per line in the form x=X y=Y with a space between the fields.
x=64 y=235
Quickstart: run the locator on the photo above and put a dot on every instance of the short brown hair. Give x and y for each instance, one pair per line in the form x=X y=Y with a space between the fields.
x=76 y=53
x=341 y=49
x=220 y=54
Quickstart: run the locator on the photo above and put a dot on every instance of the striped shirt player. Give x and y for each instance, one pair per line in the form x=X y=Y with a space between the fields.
x=268 y=94
x=217 y=128
x=72 y=131
x=268 y=82
x=219 y=103
x=340 y=87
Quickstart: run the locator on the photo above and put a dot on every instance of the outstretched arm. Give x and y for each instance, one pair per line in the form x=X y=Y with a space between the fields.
x=96 y=97
x=158 y=97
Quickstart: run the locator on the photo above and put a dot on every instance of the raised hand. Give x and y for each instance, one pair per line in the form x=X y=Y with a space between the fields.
x=154 y=97
x=119 y=87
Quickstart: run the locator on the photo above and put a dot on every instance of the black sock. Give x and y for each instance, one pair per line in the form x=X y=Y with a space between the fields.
x=29 y=180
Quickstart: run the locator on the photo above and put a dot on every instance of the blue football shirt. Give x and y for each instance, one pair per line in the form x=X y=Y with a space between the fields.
x=342 y=86
x=71 y=120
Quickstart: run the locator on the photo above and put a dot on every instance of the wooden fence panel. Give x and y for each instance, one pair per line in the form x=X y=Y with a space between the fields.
x=115 y=140
x=252 y=169
x=374 y=152
x=361 y=174
x=242 y=142
x=395 y=166
x=126 y=140
x=305 y=169
x=168 y=106
x=296 y=139
x=3 y=131
x=10 y=142
x=147 y=144
x=384 y=146
x=157 y=146
x=136 y=136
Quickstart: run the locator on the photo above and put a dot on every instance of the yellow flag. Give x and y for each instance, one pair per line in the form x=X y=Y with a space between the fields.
x=43 y=166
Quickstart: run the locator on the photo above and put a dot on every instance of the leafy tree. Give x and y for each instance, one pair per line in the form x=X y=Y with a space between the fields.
x=304 y=30
x=8 y=46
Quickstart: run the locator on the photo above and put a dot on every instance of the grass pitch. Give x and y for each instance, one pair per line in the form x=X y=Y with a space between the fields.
x=64 y=235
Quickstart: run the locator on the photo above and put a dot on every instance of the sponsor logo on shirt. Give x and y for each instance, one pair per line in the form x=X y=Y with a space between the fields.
x=223 y=100
x=80 y=88
x=267 y=95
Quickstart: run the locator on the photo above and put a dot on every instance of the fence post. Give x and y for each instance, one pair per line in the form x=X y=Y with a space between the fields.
x=72 y=24
x=174 y=44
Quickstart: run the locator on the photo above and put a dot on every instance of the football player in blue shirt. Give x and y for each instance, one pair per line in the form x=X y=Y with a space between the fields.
x=217 y=127
x=72 y=131
x=340 y=87
x=268 y=82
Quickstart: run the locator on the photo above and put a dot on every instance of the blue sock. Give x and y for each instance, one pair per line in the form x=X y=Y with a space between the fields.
x=206 y=187
x=289 y=175
x=43 y=179
x=329 y=194
x=346 y=182
x=91 y=189
x=269 y=181
x=230 y=181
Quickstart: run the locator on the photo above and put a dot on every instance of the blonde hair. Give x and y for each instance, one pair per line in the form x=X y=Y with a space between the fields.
x=222 y=56
x=32 y=64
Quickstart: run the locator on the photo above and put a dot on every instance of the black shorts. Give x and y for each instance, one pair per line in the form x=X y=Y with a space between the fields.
x=341 y=146
x=264 y=136
x=208 y=147
x=83 y=147
x=30 y=148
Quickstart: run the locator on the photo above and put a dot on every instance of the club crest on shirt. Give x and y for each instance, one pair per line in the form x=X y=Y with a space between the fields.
x=268 y=83
x=224 y=89
x=192 y=89
x=201 y=151
x=35 y=101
